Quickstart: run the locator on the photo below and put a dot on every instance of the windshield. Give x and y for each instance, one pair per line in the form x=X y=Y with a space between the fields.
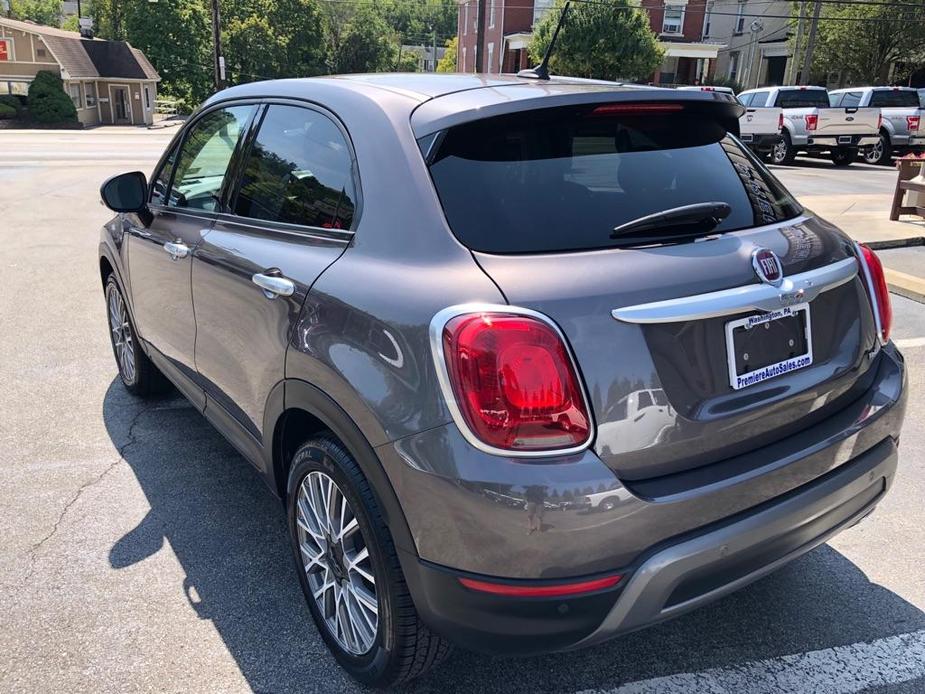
x=803 y=98
x=562 y=179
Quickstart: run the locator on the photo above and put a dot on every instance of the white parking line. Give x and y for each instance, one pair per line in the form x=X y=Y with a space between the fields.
x=841 y=670
x=909 y=342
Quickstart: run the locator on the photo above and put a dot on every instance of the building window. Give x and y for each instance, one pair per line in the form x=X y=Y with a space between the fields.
x=491 y=14
x=491 y=57
x=706 y=20
x=147 y=98
x=740 y=18
x=6 y=49
x=14 y=88
x=673 y=20
x=90 y=94
x=734 y=65
x=466 y=19
x=73 y=91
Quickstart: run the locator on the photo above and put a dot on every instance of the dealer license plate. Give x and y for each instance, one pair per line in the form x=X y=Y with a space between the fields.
x=768 y=345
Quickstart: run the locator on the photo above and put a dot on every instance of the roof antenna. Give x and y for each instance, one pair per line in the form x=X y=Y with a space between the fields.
x=541 y=71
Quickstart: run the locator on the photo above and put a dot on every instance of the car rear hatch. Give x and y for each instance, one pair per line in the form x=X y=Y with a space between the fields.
x=535 y=193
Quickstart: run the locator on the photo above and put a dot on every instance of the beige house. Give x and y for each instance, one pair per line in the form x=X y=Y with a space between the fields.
x=109 y=81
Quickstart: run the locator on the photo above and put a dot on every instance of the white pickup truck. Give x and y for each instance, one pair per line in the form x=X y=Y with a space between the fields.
x=758 y=128
x=901 y=126
x=812 y=125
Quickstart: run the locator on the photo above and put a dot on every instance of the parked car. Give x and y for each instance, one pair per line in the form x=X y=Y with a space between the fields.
x=811 y=125
x=901 y=119
x=393 y=293
x=760 y=129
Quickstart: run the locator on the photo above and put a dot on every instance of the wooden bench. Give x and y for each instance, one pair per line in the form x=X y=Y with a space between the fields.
x=908 y=168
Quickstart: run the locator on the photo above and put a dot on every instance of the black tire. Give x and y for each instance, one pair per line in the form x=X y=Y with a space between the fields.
x=843 y=156
x=138 y=374
x=404 y=648
x=881 y=154
x=783 y=153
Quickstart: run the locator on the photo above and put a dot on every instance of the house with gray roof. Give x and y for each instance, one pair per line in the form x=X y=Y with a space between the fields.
x=110 y=82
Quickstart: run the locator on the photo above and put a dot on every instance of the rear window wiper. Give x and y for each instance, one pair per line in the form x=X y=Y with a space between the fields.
x=673 y=225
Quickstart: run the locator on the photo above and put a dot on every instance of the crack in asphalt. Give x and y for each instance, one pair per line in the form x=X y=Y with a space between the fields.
x=33 y=551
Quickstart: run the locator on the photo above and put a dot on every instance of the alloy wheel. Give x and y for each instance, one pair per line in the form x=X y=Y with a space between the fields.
x=337 y=563
x=874 y=154
x=780 y=151
x=122 y=340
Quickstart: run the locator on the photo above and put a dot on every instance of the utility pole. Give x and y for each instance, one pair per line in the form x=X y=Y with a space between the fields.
x=218 y=61
x=434 y=55
x=811 y=43
x=480 y=38
x=797 y=43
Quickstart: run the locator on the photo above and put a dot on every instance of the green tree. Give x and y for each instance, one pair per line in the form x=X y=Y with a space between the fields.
x=360 y=42
x=108 y=19
x=866 y=50
x=610 y=39
x=47 y=101
x=44 y=12
x=175 y=36
x=448 y=62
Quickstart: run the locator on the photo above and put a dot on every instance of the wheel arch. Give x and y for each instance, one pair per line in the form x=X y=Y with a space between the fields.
x=302 y=411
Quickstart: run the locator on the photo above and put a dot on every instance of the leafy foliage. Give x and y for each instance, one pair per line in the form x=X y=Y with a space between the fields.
x=610 y=39
x=866 y=49
x=448 y=61
x=720 y=81
x=361 y=41
x=47 y=12
x=7 y=111
x=48 y=102
x=10 y=101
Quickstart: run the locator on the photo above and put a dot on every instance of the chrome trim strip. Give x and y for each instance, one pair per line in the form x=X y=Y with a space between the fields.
x=871 y=293
x=437 y=324
x=796 y=289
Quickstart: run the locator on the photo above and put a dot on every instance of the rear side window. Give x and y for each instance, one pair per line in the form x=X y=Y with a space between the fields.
x=759 y=99
x=894 y=98
x=802 y=98
x=562 y=179
x=847 y=99
x=299 y=171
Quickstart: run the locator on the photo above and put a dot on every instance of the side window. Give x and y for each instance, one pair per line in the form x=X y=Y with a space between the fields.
x=746 y=99
x=204 y=158
x=760 y=99
x=162 y=179
x=835 y=99
x=298 y=171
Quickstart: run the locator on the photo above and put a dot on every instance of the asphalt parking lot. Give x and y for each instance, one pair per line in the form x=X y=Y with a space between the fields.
x=141 y=553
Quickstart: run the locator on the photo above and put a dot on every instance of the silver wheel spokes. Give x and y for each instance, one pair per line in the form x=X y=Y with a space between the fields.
x=122 y=341
x=337 y=563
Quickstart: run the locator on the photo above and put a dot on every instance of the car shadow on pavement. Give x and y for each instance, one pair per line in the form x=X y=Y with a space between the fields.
x=229 y=534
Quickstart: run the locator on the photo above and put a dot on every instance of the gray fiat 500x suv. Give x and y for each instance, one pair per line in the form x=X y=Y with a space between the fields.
x=531 y=363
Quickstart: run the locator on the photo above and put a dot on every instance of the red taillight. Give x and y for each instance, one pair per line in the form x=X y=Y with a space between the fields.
x=812 y=120
x=636 y=109
x=879 y=121
x=878 y=290
x=913 y=122
x=541 y=591
x=514 y=382
x=780 y=120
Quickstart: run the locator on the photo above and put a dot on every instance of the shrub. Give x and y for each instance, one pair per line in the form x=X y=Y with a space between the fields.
x=11 y=101
x=48 y=103
x=6 y=111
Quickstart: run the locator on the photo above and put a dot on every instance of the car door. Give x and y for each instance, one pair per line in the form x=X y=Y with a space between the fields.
x=183 y=203
x=290 y=216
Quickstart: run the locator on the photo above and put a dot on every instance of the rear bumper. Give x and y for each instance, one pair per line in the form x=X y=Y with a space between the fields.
x=842 y=141
x=761 y=142
x=677 y=546
x=679 y=576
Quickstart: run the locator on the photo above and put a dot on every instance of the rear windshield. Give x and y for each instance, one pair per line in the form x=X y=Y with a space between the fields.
x=802 y=98
x=894 y=99
x=562 y=179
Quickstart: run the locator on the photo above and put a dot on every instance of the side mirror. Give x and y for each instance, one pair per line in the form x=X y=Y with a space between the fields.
x=126 y=192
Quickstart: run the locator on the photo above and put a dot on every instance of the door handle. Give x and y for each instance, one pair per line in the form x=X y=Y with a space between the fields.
x=177 y=250
x=273 y=285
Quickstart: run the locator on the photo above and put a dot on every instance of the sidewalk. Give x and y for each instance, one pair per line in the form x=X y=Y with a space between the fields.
x=900 y=245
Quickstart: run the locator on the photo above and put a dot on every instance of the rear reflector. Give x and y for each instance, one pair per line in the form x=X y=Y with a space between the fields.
x=878 y=290
x=811 y=121
x=514 y=382
x=541 y=591
x=636 y=109
x=913 y=122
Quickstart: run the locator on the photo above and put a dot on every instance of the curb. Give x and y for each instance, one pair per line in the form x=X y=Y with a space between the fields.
x=895 y=243
x=906 y=285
